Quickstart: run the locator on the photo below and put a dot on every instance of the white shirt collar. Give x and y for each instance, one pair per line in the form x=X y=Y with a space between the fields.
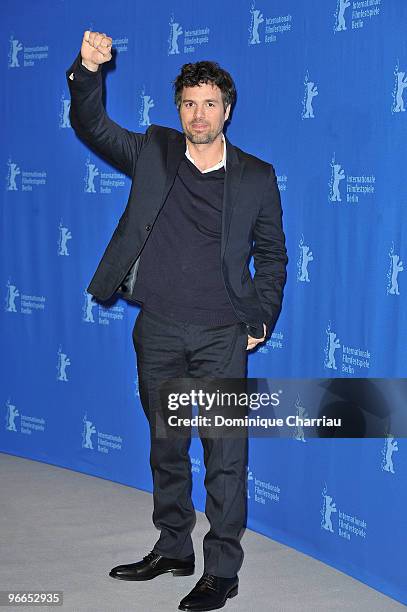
x=220 y=164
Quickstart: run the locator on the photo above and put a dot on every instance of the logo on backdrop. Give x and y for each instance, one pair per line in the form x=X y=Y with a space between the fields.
x=195 y=465
x=91 y=173
x=63 y=362
x=249 y=480
x=332 y=345
x=175 y=33
x=261 y=491
x=11 y=296
x=13 y=172
x=11 y=415
x=390 y=447
x=328 y=508
x=88 y=430
x=368 y=9
x=282 y=182
x=399 y=86
x=88 y=307
x=28 y=303
x=30 y=56
x=337 y=175
x=29 y=179
x=311 y=91
x=64 y=236
x=107 y=180
x=304 y=258
x=348 y=526
x=120 y=44
x=255 y=21
x=352 y=359
x=273 y=26
x=396 y=266
x=358 y=186
x=104 y=314
x=193 y=38
x=64 y=112
x=147 y=103
x=340 y=15
x=26 y=424
x=101 y=442
x=15 y=48
x=301 y=412
x=276 y=341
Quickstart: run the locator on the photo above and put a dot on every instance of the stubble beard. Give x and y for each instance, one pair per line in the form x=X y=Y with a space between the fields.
x=205 y=138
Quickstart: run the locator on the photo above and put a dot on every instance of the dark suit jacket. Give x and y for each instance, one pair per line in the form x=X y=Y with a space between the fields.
x=251 y=217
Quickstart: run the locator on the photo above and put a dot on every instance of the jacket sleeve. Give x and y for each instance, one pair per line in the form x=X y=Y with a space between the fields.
x=120 y=147
x=270 y=254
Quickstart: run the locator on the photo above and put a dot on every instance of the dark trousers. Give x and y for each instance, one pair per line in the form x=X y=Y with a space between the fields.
x=168 y=349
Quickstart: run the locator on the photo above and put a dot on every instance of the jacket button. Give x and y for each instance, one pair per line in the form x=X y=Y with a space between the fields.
x=148 y=228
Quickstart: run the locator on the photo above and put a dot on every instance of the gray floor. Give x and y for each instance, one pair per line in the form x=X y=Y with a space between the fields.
x=62 y=530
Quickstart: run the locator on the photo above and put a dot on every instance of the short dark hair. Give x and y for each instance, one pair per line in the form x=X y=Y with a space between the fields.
x=192 y=75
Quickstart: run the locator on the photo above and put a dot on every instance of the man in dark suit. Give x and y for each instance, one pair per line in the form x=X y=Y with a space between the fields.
x=198 y=209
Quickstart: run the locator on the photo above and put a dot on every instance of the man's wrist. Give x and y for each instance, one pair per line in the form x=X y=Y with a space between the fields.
x=89 y=66
x=255 y=331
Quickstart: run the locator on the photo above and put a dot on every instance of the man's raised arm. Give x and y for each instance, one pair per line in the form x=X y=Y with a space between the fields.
x=120 y=147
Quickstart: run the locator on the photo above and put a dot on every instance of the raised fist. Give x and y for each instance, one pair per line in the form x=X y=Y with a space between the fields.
x=96 y=49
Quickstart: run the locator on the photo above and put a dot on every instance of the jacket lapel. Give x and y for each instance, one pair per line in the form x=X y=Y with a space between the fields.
x=233 y=176
x=175 y=151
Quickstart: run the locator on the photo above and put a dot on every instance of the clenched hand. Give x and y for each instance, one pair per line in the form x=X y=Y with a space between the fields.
x=96 y=49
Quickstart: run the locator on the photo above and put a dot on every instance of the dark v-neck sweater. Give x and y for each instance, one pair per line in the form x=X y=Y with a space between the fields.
x=179 y=273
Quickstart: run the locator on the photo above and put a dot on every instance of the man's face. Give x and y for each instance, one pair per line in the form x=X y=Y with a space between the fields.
x=202 y=114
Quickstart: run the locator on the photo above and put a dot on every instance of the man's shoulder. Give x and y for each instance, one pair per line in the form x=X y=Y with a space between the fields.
x=160 y=132
x=253 y=163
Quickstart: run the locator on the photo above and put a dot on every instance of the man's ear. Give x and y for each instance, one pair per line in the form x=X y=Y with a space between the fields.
x=227 y=112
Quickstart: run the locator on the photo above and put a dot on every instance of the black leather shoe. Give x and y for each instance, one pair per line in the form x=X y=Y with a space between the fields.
x=210 y=593
x=153 y=565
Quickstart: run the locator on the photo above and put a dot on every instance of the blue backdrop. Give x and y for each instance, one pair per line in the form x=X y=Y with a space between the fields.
x=321 y=96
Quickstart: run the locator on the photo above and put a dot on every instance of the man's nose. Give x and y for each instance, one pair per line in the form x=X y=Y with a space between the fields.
x=199 y=111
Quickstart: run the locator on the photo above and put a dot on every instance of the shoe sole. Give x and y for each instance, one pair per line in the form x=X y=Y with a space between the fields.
x=232 y=593
x=174 y=572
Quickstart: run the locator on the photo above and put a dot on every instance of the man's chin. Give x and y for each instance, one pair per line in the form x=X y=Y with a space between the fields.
x=199 y=138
